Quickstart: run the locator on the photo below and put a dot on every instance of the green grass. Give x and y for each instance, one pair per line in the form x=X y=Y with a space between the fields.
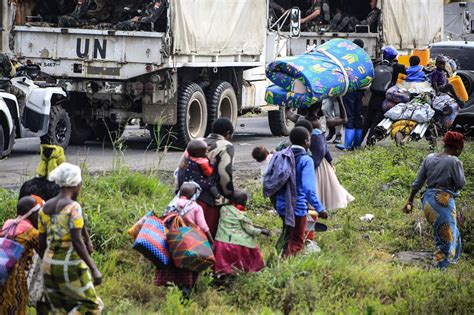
x=354 y=273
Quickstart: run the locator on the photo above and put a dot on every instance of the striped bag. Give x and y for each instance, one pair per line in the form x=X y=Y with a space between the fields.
x=151 y=240
x=189 y=246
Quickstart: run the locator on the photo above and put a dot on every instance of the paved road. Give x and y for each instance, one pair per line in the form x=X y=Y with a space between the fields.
x=136 y=154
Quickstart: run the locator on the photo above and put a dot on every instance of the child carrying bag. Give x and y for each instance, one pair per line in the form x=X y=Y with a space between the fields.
x=151 y=240
x=189 y=246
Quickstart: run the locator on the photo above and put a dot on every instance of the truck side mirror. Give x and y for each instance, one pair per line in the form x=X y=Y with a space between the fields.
x=295 y=19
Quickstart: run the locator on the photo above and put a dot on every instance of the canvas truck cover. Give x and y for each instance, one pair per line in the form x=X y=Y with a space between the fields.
x=409 y=24
x=218 y=27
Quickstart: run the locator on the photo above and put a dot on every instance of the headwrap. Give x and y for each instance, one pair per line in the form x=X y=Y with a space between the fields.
x=51 y=156
x=66 y=175
x=454 y=139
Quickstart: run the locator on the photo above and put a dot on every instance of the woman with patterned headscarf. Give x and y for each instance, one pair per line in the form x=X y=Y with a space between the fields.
x=51 y=156
x=444 y=177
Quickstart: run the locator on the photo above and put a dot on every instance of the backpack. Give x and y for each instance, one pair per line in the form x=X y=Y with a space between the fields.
x=382 y=78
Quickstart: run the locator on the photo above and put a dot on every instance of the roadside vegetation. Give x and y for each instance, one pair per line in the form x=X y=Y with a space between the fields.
x=354 y=273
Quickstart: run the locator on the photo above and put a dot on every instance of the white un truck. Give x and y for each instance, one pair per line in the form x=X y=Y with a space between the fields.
x=208 y=62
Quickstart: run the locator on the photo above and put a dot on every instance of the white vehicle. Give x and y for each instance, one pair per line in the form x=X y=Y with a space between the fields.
x=208 y=62
x=44 y=115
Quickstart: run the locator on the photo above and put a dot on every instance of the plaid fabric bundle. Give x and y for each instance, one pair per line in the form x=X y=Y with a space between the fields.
x=10 y=253
x=151 y=241
x=189 y=247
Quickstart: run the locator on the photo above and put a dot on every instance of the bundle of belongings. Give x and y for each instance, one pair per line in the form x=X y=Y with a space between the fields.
x=329 y=70
x=446 y=109
x=417 y=110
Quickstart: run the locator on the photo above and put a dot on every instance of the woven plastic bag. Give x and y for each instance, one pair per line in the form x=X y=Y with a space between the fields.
x=151 y=240
x=189 y=246
x=10 y=253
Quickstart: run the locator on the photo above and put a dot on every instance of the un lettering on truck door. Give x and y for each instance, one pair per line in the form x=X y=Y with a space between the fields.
x=84 y=47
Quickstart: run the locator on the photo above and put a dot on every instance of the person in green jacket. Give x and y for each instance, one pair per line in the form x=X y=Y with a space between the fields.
x=235 y=247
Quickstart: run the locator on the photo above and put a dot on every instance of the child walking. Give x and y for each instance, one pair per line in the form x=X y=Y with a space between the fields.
x=294 y=217
x=235 y=247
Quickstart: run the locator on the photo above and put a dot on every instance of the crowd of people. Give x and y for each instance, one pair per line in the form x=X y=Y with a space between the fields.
x=297 y=175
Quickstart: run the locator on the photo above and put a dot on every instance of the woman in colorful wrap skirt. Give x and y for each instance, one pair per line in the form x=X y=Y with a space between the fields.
x=68 y=269
x=14 y=298
x=444 y=176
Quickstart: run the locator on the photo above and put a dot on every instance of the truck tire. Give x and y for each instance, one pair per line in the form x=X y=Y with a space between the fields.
x=221 y=102
x=59 y=129
x=192 y=115
x=80 y=130
x=279 y=125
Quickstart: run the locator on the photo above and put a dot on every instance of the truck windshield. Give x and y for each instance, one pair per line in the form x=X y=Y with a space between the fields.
x=462 y=55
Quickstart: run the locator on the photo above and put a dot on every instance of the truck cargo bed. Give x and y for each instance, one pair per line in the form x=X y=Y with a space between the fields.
x=89 y=53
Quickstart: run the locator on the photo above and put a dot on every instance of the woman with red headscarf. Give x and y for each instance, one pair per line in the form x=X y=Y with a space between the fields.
x=444 y=177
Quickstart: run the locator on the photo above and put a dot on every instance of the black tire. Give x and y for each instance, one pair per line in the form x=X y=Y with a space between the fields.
x=280 y=126
x=107 y=131
x=192 y=116
x=5 y=139
x=80 y=130
x=221 y=102
x=3 y=150
x=59 y=128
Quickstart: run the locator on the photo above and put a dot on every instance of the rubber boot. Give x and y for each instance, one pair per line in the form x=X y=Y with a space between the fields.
x=349 y=135
x=358 y=138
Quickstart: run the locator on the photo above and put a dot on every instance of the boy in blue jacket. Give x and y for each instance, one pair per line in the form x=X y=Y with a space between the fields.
x=294 y=236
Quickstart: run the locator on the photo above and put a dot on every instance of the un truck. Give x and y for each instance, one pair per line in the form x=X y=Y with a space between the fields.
x=208 y=62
